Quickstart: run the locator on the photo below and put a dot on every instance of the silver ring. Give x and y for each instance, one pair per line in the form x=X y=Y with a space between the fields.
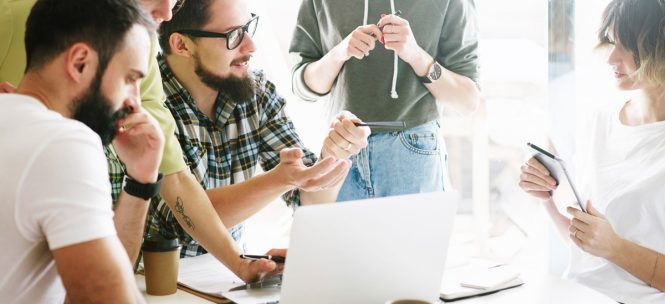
x=575 y=233
x=348 y=147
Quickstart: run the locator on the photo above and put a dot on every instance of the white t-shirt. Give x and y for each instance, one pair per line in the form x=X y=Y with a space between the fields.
x=625 y=168
x=54 y=192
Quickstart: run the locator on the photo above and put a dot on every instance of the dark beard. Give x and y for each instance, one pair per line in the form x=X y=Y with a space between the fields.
x=239 y=89
x=95 y=111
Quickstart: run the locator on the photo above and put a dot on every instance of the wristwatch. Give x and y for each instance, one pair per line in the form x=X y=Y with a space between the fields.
x=433 y=73
x=144 y=191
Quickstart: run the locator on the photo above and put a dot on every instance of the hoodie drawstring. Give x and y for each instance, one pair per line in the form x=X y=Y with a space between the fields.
x=393 y=90
x=366 y=12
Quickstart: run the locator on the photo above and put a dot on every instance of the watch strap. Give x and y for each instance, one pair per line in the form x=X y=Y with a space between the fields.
x=426 y=78
x=144 y=191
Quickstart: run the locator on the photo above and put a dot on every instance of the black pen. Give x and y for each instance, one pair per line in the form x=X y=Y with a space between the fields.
x=541 y=150
x=382 y=124
x=276 y=259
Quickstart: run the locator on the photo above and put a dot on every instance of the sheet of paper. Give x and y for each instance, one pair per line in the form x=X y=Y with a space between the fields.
x=206 y=274
x=254 y=296
x=489 y=277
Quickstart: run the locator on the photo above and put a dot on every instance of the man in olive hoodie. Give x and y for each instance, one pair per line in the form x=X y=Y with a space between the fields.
x=387 y=60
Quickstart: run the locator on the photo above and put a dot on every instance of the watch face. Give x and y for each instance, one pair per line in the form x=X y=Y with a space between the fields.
x=435 y=71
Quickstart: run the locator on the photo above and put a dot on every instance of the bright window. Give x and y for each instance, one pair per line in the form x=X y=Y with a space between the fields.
x=535 y=76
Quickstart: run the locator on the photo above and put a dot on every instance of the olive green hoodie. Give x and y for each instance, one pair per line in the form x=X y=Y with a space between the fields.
x=446 y=29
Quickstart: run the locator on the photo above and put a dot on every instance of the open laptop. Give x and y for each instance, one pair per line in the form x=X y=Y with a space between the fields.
x=369 y=251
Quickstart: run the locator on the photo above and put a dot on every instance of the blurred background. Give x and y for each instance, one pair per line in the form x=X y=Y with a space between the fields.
x=540 y=78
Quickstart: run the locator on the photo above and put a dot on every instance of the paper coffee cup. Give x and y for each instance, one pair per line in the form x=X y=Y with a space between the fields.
x=160 y=263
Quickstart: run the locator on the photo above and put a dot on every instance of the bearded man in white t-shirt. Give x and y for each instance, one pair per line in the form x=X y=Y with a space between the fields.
x=81 y=90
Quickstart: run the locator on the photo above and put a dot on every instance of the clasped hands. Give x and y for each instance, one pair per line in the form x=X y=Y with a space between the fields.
x=391 y=30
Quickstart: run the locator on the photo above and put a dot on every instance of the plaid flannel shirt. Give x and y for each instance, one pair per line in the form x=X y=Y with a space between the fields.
x=227 y=149
x=116 y=172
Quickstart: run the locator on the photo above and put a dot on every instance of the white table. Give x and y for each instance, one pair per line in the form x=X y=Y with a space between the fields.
x=538 y=288
x=544 y=289
x=177 y=298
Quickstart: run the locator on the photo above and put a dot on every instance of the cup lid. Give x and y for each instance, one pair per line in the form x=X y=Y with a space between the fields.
x=157 y=243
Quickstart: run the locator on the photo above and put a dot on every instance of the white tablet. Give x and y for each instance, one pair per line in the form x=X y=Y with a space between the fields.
x=557 y=170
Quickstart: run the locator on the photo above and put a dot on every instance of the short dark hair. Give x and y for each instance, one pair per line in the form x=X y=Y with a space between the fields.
x=191 y=15
x=639 y=25
x=55 y=25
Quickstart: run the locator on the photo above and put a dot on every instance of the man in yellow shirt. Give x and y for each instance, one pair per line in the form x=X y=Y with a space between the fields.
x=179 y=184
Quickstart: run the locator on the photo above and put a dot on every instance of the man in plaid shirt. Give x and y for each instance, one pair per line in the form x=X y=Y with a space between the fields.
x=230 y=120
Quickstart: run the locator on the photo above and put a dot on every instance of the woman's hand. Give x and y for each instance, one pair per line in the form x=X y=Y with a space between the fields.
x=593 y=233
x=536 y=180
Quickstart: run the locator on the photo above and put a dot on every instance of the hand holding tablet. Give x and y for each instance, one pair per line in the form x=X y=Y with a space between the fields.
x=557 y=169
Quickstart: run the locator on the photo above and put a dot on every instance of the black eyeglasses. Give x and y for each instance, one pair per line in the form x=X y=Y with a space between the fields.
x=233 y=37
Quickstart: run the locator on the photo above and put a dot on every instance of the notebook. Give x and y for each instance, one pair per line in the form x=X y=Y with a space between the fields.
x=475 y=280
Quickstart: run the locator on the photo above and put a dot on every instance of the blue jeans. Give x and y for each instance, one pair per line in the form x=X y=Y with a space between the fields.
x=396 y=163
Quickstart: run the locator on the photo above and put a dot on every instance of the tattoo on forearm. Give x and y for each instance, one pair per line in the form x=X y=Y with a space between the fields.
x=180 y=208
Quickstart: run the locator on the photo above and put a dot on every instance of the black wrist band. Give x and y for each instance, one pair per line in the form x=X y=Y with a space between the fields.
x=424 y=79
x=144 y=191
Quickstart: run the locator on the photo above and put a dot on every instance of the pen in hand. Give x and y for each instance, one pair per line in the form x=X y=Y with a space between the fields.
x=382 y=124
x=398 y=13
x=253 y=257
